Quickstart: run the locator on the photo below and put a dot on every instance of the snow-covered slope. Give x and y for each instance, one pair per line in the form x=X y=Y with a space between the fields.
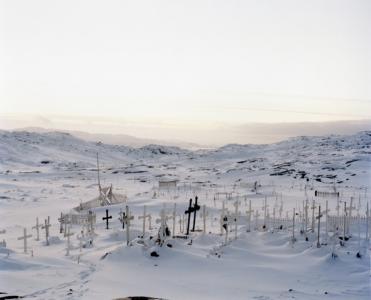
x=44 y=174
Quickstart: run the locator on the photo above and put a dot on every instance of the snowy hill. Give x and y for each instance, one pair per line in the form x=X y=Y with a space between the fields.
x=45 y=174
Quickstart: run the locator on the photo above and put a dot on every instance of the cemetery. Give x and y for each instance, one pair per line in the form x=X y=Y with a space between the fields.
x=264 y=238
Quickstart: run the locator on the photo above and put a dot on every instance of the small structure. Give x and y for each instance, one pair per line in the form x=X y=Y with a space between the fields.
x=106 y=196
x=167 y=183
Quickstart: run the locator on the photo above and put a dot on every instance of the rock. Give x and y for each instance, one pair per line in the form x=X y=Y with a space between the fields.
x=154 y=254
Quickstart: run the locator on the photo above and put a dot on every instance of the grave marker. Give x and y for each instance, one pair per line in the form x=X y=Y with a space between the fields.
x=188 y=212
x=37 y=227
x=68 y=235
x=24 y=238
x=106 y=218
x=196 y=208
x=127 y=218
x=46 y=227
x=249 y=213
x=144 y=217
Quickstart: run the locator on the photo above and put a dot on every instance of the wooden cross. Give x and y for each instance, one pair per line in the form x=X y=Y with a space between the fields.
x=318 y=217
x=313 y=207
x=306 y=206
x=345 y=221
x=162 y=233
x=249 y=213
x=60 y=220
x=106 y=218
x=204 y=216
x=350 y=209
x=127 y=218
x=196 y=207
x=256 y=219
x=235 y=218
x=24 y=238
x=367 y=220
x=265 y=206
x=37 y=227
x=188 y=212
x=326 y=225
x=46 y=227
x=91 y=220
x=221 y=218
x=293 y=226
x=68 y=235
x=144 y=217
x=281 y=208
x=225 y=220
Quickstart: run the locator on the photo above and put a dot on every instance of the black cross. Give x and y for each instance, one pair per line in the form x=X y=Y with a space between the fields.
x=189 y=211
x=107 y=218
x=123 y=215
x=196 y=207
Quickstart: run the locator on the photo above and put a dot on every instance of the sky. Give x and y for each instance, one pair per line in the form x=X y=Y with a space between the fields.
x=184 y=69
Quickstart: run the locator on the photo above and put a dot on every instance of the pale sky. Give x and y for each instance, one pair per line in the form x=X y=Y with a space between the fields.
x=136 y=66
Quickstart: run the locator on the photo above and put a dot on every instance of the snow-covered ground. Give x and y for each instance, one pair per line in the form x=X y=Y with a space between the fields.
x=44 y=174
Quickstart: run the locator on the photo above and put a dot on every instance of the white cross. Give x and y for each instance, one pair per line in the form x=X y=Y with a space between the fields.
x=204 y=216
x=162 y=222
x=173 y=217
x=235 y=218
x=293 y=226
x=249 y=213
x=37 y=226
x=367 y=220
x=265 y=206
x=256 y=219
x=350 y=209
x=318 y=217
x=127 y=218
x=144 y=217
x=24 y=238
x=46 y=227
x=281 y=208
x=313 y=207
x=68 y=234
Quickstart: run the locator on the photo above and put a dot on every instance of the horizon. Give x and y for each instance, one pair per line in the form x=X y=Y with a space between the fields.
x=193 y=71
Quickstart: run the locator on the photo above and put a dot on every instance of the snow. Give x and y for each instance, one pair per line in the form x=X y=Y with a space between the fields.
x=44 y=174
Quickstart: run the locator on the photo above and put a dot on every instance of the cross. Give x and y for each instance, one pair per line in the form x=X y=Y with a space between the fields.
x=24 y=238
x=106 y=218
x=46 y=227
x=68 y=234
x=313 y=207
x=306 y=206
x=337 y=212
x=256 y=219
x=196 y=207
x=144 y=217
x=326 y=225
x=173 y=217
x=60 y=220
x=37 y=226
x=367 y=220
x=162 y=233
x=345 y=221
x=204 y=216
x=221 y=218
x=265 y=206
x=235 y=218
x=249 y=213
x=225 y=220
x=188 y=212
x=293 y=226
x=318 y=217
x=127 y=218
x=281 y=208
x=121 y=218
x=91 y=221
x=350 y=209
